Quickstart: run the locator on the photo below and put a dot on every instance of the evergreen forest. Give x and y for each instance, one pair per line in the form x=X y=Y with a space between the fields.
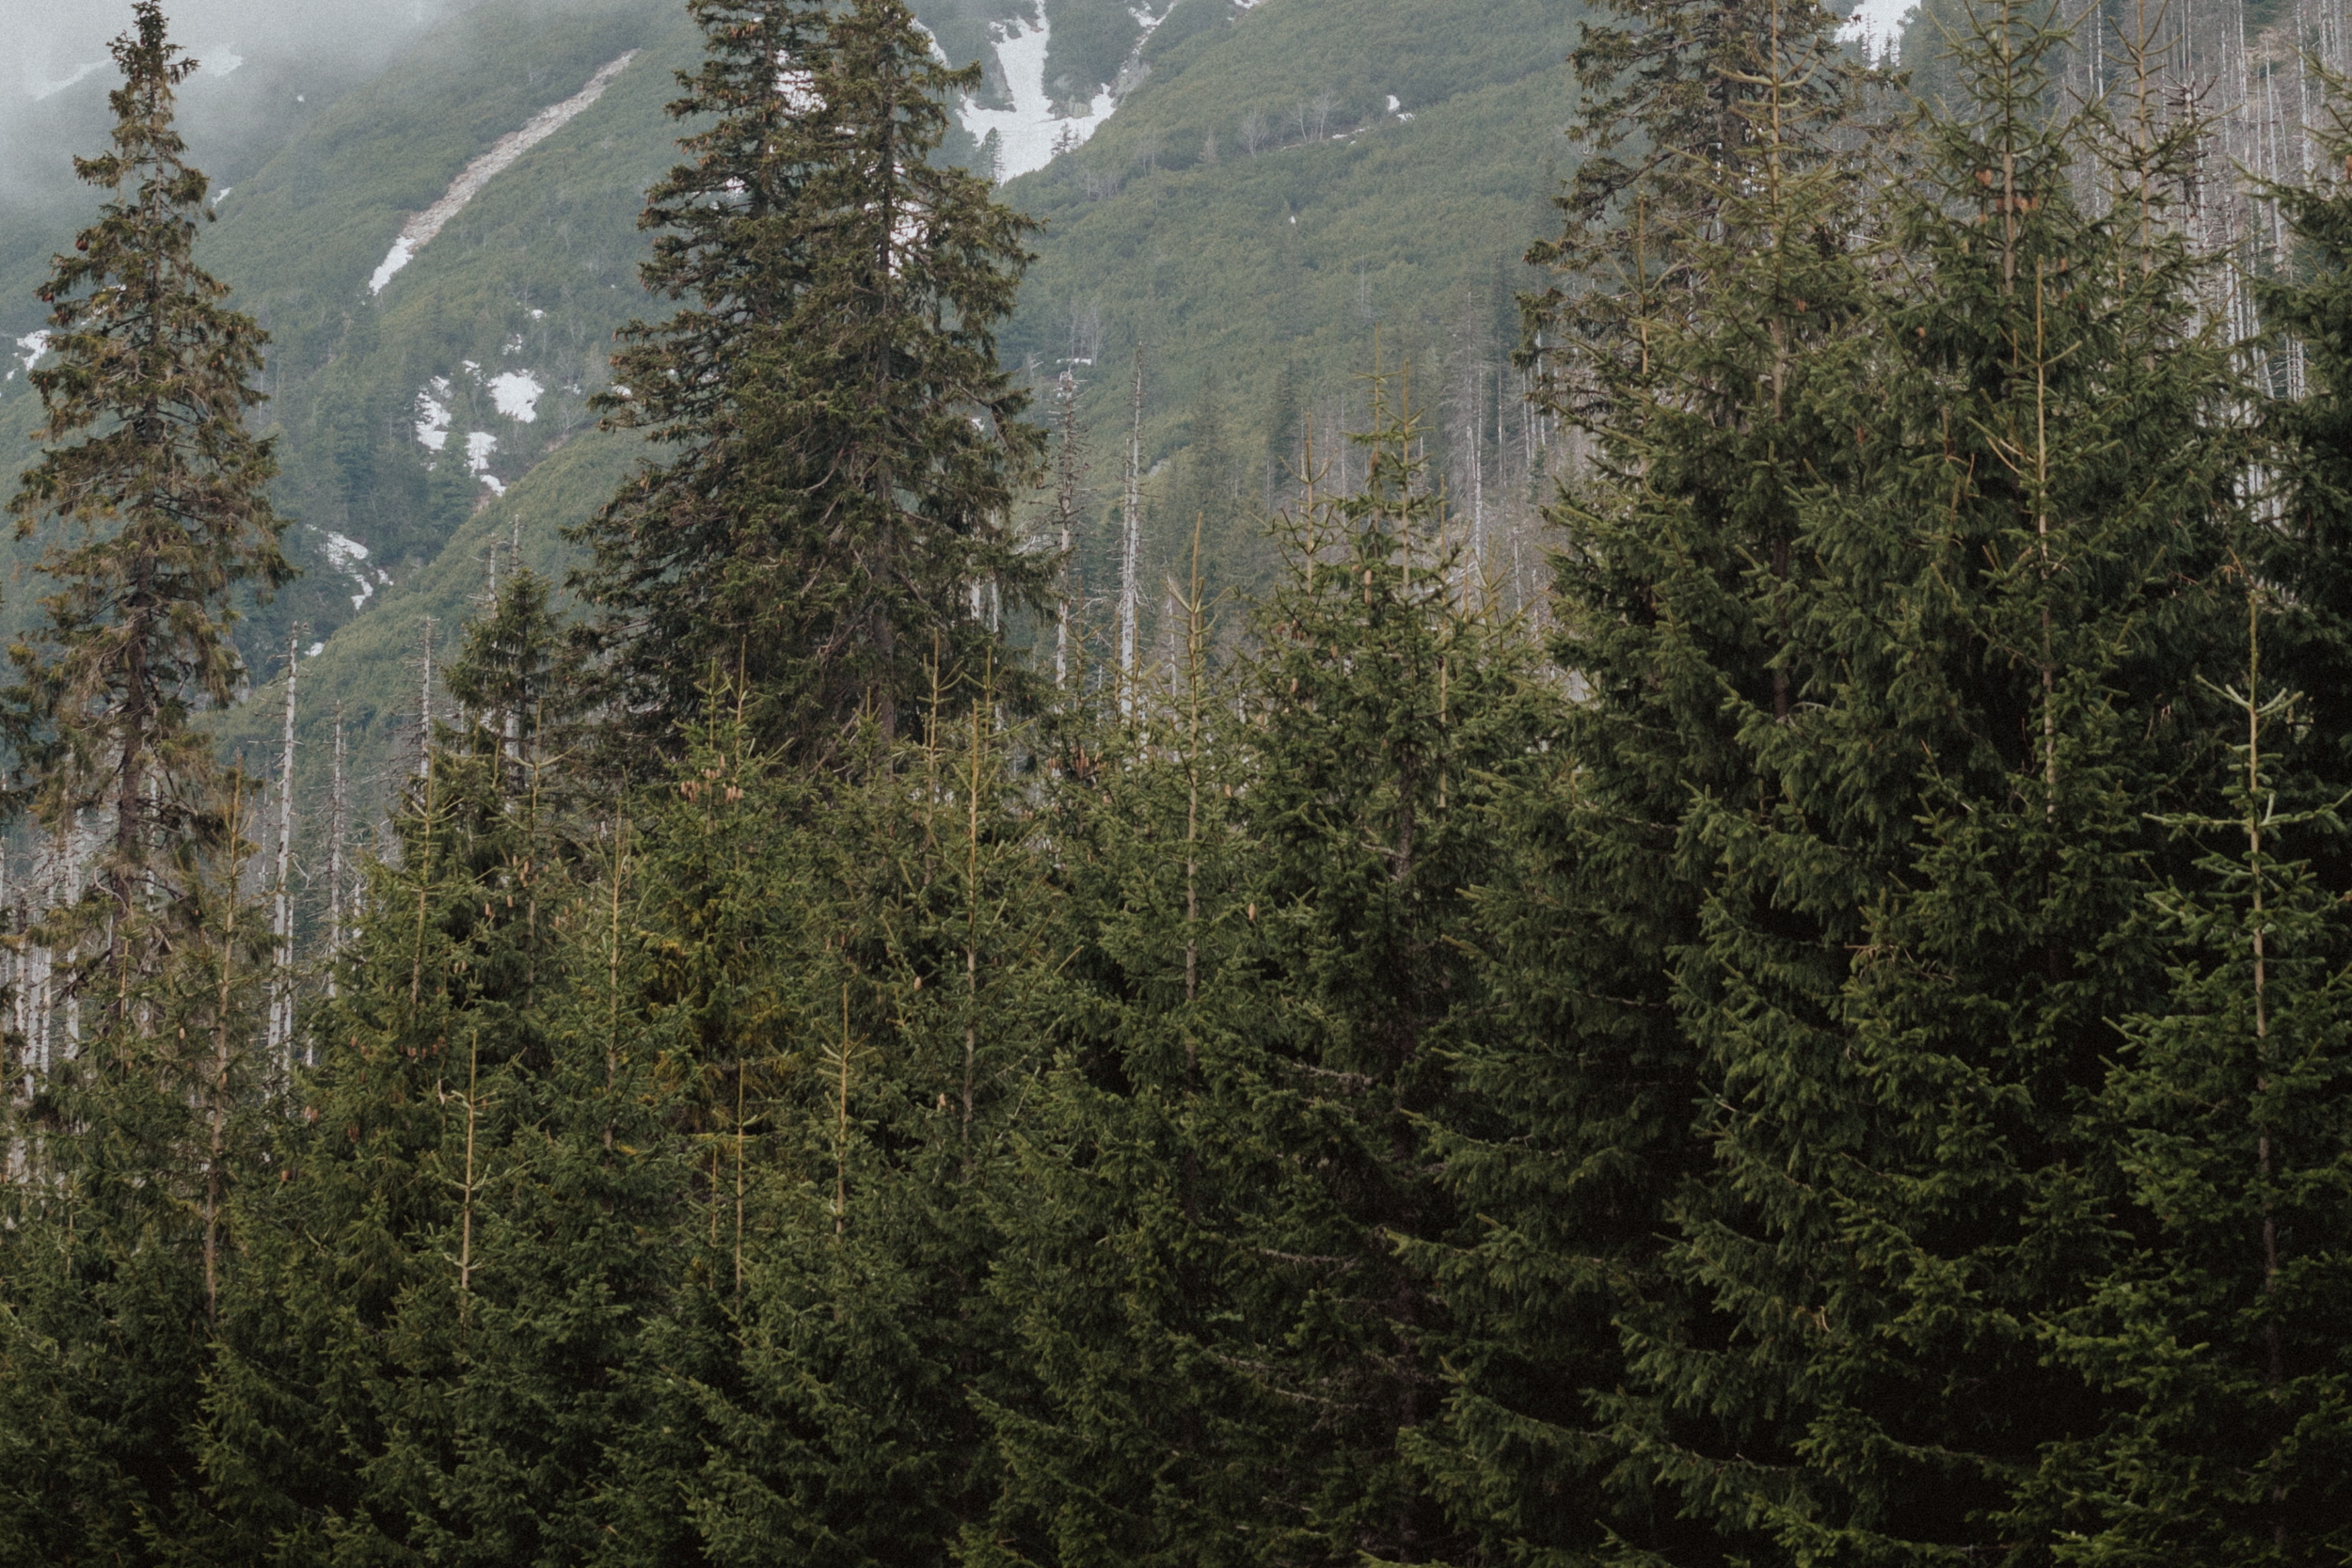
x=1791 y=1008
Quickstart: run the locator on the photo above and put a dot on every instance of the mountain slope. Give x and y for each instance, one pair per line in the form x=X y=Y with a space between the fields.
x=529 y=281
x=1403 y=155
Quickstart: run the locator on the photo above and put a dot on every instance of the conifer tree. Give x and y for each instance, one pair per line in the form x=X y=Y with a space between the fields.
x=160 y=518
x=1398 y=712
x=1139 y=1442
x=850 y=444
x=1710 y=283
x=438 y=1353
x=520 y=687
x=713 y=251
x=1223 y=1274
x=153 y=493
x=2218 y=1330
x=1927 y=908
x=847 y=1426
x=2215 y=1329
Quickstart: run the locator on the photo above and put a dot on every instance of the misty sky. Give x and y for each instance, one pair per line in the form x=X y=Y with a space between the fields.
x=44 y=41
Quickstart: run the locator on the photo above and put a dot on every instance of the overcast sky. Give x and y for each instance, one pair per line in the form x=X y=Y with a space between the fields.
x=49 y=46
x=42 y=42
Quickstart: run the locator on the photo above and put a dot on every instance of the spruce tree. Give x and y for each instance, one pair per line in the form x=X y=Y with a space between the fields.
x=850 y=446
x=1932 y=901
x=886 y=1023
x=159 y=519
x=1141 y=1441
x=1223 y=1272
x=1711 y=278
x=1397 y=713
x=2215 y=1329
x=438 y=1351
x=153 y=495
x=2218 y=1329
x=713 y=250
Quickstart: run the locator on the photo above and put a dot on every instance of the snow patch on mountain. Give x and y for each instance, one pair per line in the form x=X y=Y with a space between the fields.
x=516 y=394
x=345 y=555
x=402 y=253
x=419 y=231
x=433 y=415
x=1030 y=133
x=480 y=444
x=33 y=345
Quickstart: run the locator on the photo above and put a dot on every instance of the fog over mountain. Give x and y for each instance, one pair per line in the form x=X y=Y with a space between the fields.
x=263 y=61
x=1258 y=193
x=51 y=45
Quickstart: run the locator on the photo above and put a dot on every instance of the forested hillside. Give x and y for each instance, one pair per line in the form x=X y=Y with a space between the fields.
x=1287 y=785
x=1276 y=201
x=1325 y=215
x=399 y=411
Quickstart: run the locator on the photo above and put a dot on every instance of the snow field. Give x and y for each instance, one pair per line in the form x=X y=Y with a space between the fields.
x=32 y=344
x=1026 y=133
x=516 y=394
x=433 y=415
x=345 y=555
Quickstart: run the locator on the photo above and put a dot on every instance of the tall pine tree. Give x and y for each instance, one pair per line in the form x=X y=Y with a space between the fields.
x=1708 y=280
x=152 y=495
x=849 y=444
x=1929 y=903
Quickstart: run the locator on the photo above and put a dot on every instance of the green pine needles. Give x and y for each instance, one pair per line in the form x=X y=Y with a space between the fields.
x=159 y=517
x=849 y=444
x=137 y=1083
x=1821 y=1042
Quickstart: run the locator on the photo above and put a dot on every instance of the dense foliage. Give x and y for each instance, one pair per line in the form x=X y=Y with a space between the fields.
x=1829 y=1047
x=847 y=444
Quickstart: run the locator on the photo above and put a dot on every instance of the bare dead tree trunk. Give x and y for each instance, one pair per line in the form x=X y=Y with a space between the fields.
x=224 y=1055
x=1071 y=475
x=281 y=909
x=424 y=704
x=1131 y=548
x=337 y=828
